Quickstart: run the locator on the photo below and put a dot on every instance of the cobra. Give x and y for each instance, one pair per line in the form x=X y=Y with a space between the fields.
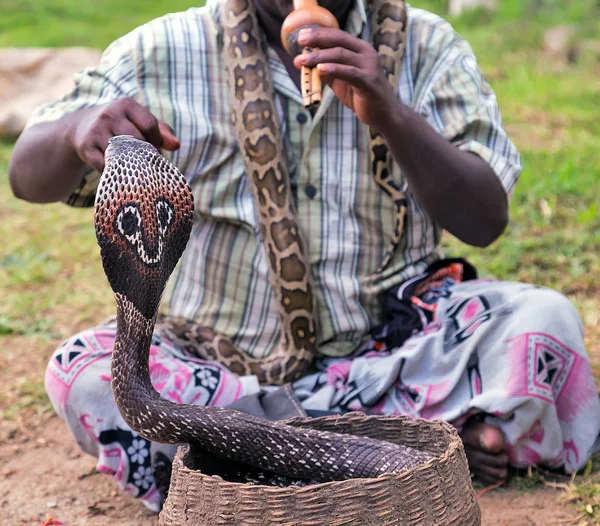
x=143 y=217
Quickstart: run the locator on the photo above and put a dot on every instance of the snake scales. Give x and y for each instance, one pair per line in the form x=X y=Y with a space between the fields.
x=254 y=118
x=143 y=217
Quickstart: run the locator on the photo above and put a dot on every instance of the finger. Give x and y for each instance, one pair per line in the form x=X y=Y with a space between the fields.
x=125 y=127
x=170 y=142
x=478 y=457
x=327 y=37
x=351 y=74
x=95 y=158
x=488 y=468
x=491 y=476
x=335 y=55
x=145 y=122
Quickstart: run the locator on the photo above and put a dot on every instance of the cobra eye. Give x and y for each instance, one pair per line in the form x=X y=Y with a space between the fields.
x=128 y=222
x=165 y=214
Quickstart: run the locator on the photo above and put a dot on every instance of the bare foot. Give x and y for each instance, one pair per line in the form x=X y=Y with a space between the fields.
x=484 y=446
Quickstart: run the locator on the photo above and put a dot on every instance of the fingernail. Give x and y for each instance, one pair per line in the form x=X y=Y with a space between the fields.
x=324 y=68
x=483 y=442
x=303 y=35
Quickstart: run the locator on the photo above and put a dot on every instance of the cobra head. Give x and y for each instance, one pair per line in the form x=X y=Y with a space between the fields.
x=143 y=217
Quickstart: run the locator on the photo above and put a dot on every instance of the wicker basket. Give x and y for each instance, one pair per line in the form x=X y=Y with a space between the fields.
x=438 y=492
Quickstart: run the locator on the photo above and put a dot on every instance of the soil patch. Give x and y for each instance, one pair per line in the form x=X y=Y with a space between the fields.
x=43 y=473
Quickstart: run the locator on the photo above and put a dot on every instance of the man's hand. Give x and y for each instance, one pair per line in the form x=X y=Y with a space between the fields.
x=458 y=190
x=89 y=135
x=50 y=158
x=352 y=68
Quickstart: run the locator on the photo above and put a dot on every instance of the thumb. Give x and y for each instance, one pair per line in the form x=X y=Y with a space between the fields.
x=170 y=142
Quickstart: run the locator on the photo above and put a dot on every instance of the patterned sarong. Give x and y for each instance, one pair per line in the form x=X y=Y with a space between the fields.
x=508 y=353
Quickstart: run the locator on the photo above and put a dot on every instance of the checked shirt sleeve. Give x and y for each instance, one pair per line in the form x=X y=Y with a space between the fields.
x=462 y=106
x=112 y=79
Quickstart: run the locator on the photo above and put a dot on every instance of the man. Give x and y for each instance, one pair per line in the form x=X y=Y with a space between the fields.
x=504 y=362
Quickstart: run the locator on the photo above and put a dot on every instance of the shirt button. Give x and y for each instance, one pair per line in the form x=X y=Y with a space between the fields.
x=310 y=191
x=301 y=118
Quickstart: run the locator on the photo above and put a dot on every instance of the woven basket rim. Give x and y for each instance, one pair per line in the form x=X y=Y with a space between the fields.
x=438 y=491
x=450 y=449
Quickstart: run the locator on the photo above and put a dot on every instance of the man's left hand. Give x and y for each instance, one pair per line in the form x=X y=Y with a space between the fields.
x=352 y=68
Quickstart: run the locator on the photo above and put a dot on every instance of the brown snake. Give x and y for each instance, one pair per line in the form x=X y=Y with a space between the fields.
x=143 y=217
x=254 y=119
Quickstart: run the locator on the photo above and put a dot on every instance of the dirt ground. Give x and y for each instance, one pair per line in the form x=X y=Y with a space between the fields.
x=43 y=472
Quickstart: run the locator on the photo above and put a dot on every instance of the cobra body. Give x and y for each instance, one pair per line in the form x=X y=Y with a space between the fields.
x=143 y=217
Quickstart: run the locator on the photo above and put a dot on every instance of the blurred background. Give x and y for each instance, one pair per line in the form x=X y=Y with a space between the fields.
x=542 y=57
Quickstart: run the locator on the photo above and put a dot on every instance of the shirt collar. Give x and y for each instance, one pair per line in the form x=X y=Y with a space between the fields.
x=357 y=18
x=356 y=25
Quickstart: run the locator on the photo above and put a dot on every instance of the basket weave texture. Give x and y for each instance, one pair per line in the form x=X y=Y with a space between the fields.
x=438 y=492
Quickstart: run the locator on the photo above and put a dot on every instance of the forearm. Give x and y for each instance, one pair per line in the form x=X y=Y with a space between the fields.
x=44 y=166
x=457 y=189
x=49 y=160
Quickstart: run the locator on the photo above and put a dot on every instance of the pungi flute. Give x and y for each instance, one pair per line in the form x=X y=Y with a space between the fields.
x=306 y=13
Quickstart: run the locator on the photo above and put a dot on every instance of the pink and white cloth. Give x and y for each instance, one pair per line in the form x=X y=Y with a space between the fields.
x=508 y=353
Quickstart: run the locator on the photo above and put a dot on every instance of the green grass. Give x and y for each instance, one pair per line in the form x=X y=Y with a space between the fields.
x=48 y=262
x=551 y=111
x=94 y=23
x=50 y=275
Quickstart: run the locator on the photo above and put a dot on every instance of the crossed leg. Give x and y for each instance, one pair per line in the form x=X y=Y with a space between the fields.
x=504 y=363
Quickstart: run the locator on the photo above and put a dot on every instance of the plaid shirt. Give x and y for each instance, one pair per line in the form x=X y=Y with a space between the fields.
x=173 y=66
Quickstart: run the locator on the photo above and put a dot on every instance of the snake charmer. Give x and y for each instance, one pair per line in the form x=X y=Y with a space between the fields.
x=323 y=239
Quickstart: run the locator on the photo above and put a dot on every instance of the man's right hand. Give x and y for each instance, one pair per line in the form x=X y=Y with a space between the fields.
x=89 y=135
x=49 y=159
